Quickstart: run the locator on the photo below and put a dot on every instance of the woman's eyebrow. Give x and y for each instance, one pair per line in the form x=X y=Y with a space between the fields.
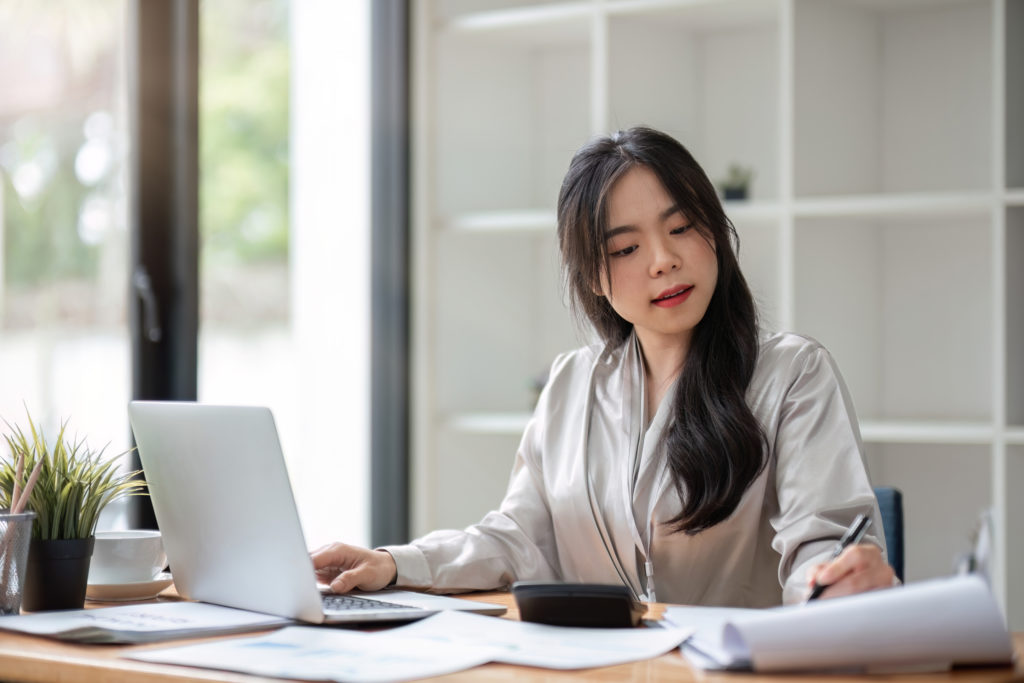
x=663 y=216
x=618 y=231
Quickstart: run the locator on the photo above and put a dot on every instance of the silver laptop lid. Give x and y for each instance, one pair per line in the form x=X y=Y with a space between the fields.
x=224 y=503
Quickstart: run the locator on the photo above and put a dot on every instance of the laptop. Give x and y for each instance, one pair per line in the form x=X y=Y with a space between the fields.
x=223 y=501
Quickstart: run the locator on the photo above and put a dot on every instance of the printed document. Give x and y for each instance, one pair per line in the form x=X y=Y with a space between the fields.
x=926 y=626
x=140 y=623
x=550 y=647
x=443 y=643
x=317 y=653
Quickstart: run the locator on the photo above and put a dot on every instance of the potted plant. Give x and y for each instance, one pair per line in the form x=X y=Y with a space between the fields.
x=736 y=184
x=73 y=484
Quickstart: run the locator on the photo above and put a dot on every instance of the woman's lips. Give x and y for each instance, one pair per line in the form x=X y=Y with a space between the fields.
x=673 y=297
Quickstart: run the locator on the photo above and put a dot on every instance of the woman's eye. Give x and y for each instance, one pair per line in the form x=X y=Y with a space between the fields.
x=680 y=230
x=624 y=252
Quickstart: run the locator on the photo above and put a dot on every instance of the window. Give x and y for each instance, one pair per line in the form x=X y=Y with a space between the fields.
x=64 y=351
x=284 y=233
x=283 y=222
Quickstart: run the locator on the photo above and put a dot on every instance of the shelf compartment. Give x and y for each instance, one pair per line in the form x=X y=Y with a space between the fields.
x=1014 y=534
x=758 y=256
x=469 y=481
x=873 y=111
x=901 y=306
x=498 y=319
x=712 y=84
x=1014 y=257
x=959 y=476
x=508 y=113
x=1014 y=101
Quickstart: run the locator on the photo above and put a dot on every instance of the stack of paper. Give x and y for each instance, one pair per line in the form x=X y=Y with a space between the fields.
x=928 y=626
x=140 y=623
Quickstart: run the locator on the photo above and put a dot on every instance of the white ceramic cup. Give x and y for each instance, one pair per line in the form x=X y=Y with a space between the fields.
x=131 y=556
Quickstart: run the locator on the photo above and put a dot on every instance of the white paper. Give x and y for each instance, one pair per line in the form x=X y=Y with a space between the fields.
x=325 y=654
x=140 y=622
x=706 y=648
x=443 y=643
x=551 y=647
x=924 y=626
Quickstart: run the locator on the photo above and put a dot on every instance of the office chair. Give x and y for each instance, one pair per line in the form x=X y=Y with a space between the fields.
x=890 y=504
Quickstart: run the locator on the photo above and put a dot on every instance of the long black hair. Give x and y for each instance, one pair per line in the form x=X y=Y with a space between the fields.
x=715 y=445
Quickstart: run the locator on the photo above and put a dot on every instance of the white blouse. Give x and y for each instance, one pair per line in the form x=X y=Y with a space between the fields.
x=556 y=525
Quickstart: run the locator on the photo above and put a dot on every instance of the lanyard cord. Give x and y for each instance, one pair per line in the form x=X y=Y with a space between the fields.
x=598 y=520
x=645 y=548
x=649 y=566
x=628 y=489
x=640 y=424
x=638 y=449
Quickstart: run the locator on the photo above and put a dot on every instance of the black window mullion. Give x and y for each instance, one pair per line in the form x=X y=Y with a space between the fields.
x=163 y=101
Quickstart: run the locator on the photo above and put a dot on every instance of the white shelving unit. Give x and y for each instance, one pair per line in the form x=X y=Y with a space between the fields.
x=886 y=220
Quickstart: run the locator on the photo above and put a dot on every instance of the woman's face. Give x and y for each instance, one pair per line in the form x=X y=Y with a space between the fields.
x=662 y=268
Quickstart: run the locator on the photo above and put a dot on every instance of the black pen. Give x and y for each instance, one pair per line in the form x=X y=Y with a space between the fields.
x=852 y=535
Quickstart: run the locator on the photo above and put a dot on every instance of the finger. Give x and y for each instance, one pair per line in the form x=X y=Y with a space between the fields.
x=340 y=584
x=869 y=571
x=333 y=555
x=860 y=582
x=375 y=571
x=360 y=577
x=327 y=574
x=852 y=559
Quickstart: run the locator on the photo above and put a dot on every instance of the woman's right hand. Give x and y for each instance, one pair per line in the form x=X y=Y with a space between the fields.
x=347 y=567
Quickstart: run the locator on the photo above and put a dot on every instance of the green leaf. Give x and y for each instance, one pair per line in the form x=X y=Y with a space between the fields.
x=74 y=485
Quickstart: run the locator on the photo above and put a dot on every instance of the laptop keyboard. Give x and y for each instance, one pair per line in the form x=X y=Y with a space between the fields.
x=341 y=603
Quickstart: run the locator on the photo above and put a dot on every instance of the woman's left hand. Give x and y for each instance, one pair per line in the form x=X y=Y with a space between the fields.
x=859 y=568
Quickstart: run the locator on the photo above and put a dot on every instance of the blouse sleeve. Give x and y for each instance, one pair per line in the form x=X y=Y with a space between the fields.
x=820 y=477
x=510 y=543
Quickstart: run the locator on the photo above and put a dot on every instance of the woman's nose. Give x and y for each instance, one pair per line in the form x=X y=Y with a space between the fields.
x=664 y=259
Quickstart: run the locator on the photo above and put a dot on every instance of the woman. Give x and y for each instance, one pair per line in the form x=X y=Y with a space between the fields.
x=683 y=456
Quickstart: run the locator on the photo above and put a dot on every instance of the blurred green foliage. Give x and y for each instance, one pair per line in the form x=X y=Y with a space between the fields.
x=243 y=130
x=41 y=240
x=243 y=140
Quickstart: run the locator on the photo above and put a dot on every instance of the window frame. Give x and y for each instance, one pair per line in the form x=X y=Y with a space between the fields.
x=164 y=207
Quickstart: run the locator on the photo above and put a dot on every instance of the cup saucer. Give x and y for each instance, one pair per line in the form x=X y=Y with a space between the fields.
x=121 y=592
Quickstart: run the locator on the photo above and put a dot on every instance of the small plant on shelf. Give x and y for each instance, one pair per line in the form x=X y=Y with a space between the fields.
x=736 y=183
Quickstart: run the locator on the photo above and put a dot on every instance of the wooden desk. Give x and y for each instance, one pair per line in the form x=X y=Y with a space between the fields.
x=27 y=658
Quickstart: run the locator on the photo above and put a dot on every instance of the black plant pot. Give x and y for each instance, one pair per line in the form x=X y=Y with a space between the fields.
x=735 y=193
x=57 y=574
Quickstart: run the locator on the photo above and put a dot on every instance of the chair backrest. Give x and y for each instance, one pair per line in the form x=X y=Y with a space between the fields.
x=890 y=504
